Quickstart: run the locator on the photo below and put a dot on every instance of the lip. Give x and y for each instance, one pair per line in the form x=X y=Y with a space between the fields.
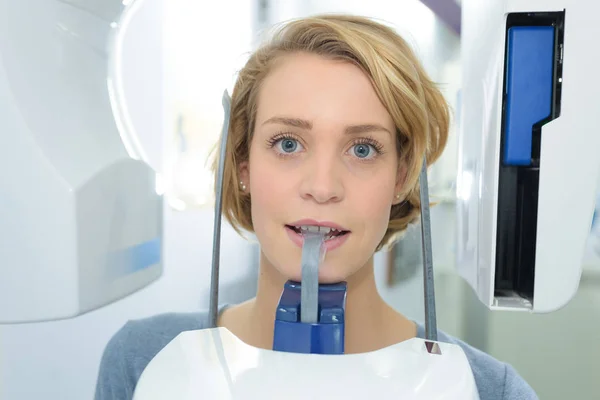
x=325 y=224
x=330 y=244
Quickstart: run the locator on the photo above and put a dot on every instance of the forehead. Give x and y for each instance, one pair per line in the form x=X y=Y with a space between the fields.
x=321 y=90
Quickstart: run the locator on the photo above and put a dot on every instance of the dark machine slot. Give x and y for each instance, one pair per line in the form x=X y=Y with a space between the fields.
x=532 y=92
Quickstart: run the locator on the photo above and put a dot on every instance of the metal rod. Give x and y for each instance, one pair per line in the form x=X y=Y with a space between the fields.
x=429 y=287
x=213 y=312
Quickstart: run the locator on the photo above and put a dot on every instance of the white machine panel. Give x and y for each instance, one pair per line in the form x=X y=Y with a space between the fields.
x=215 y=364
x=504 y=275
x=81 y=222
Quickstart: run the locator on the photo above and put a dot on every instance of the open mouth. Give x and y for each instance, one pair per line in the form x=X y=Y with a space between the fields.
x=330 y=233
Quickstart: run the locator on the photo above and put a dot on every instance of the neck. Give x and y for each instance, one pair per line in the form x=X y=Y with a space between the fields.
x=370 y=324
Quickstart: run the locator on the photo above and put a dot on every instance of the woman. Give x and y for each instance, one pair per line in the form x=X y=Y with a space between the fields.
x=329 y=125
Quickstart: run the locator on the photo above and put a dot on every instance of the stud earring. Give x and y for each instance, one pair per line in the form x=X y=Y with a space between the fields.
x=243 y=186
x=398 y=196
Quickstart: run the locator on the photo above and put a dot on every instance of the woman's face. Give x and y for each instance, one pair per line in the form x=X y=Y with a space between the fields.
x=323 y=153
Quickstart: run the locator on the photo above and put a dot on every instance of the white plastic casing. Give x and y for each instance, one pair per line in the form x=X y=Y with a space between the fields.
x=80 y=220
x=569 y=155
x=215 y=364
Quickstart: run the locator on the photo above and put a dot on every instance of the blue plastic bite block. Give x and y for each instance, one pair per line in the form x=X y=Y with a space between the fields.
x=530 y=54
x=324 y=337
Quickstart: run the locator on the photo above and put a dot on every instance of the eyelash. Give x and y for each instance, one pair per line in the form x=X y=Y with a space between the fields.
x=272 y=141
x=378 y=147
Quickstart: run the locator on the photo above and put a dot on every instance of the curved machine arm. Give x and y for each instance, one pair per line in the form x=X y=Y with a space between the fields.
x=81 y=221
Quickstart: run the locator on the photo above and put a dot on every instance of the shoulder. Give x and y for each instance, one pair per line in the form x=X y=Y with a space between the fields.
x=132 y=348
x=495 y=380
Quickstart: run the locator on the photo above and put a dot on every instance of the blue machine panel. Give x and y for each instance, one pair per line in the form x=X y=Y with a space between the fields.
x=135 y=258
x=529 y=81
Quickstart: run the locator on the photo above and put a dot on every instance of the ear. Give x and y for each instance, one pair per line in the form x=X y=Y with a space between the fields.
x=244 y=174
x=400 y=180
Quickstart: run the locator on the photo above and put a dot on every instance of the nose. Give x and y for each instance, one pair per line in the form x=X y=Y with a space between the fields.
x=323 y=180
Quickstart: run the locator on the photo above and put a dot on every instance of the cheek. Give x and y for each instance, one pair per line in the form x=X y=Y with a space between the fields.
x=374 y=207
x=269 y=190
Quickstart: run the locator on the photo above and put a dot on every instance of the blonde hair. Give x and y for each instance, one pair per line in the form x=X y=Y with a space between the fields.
x=417 y=107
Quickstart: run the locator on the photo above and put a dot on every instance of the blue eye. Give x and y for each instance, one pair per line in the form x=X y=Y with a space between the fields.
x=289 y=145
x=362 y=150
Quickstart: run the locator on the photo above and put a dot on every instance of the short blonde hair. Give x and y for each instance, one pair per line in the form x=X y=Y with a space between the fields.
x=417 y=107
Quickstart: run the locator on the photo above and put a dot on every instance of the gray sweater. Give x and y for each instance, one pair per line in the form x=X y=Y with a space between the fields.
x=132 y=348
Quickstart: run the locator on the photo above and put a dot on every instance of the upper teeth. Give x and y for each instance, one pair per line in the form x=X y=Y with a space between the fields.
x=322 y=229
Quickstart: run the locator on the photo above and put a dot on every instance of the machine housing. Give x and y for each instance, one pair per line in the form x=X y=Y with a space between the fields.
x=528 y=151
x=81 y=219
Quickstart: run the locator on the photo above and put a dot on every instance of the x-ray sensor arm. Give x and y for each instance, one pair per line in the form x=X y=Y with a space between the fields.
x=528 y=150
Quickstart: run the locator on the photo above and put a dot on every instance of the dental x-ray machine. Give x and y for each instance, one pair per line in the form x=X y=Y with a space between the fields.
x=530 y=110
x=81 y=220
x=529 y=157
x=529 y=114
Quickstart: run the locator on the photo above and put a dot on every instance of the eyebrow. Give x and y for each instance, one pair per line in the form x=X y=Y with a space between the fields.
x=307 y=125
